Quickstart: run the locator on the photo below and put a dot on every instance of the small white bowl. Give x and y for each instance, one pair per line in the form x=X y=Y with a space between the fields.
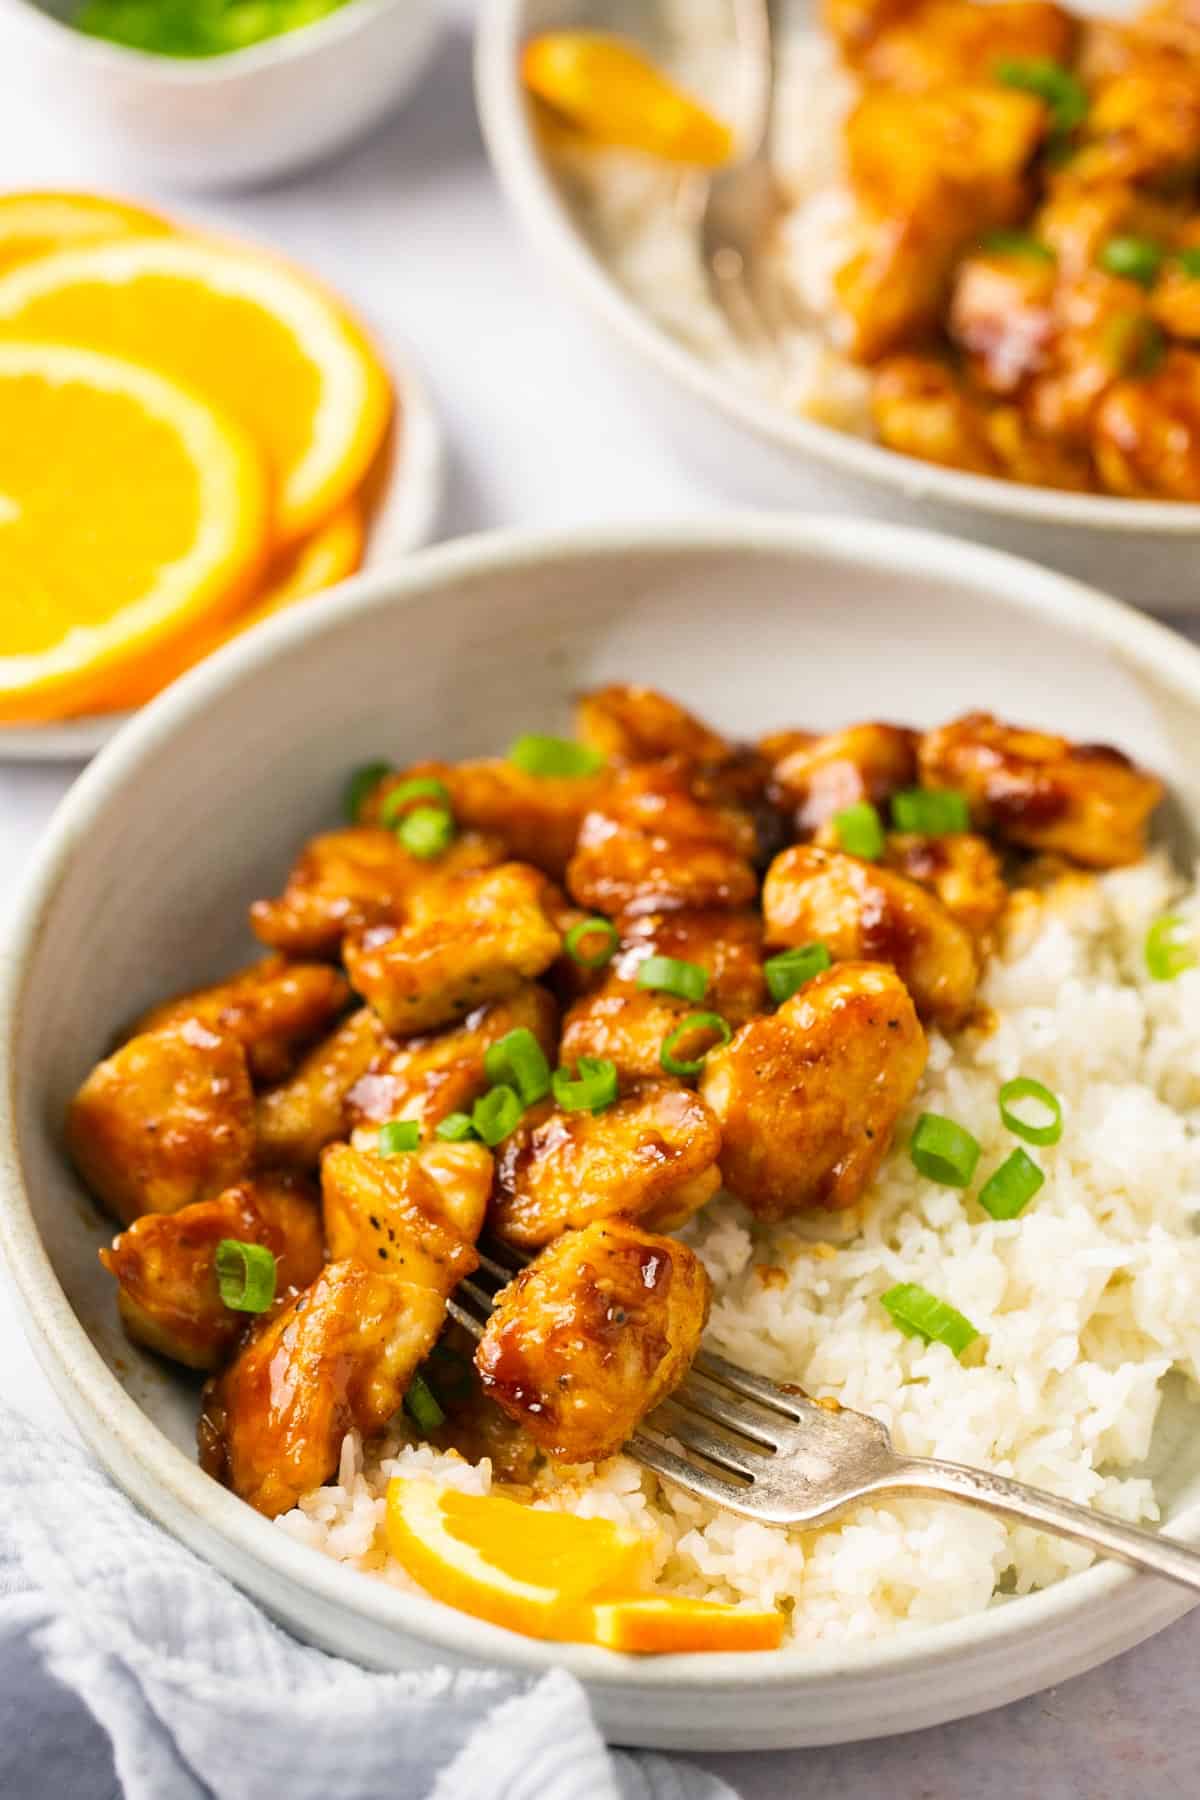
x=227 y=120
x=140 y=890
x=1146 y=551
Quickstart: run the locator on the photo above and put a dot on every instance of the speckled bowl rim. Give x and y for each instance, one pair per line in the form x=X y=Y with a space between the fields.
x=525 y=180
x=1102 y=1610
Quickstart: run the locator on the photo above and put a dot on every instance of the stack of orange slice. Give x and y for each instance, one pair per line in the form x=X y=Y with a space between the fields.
x=187 y=432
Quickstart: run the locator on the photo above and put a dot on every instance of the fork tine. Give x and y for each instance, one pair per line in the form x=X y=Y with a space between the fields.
x=462 y=1317
x=705 y=1485
x=700 y=1440
x=754 y=1387
x=712 y=1403
x=496 y=1270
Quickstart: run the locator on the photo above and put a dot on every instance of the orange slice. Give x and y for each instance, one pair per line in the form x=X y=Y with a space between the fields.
x=606 y=88
x=35 y=223
x=262 y=342
x=650 y=1623
x=532 y=1571
x=130 y=509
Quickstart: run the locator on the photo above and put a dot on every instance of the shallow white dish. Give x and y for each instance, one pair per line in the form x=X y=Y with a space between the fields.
x=227 y=120
x=1144 y=550
x=140 y=890
x=406 y=520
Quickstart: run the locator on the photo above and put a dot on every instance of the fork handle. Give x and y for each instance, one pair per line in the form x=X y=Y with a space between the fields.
x=1033 y=1506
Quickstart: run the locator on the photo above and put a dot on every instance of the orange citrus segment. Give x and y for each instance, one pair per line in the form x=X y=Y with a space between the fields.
x=35 y=223
x=129 y=510
x=607 y=89
x=650 y=1623
x=263 y=343
x=532 y=1571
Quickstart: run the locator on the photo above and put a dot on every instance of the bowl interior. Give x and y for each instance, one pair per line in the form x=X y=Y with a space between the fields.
x=200 y=805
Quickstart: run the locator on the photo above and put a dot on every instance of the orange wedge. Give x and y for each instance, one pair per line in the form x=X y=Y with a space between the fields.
x=259 y=340
x=130 y=511
x=35 y=223
x=649 y=1623
x=534 y=1572
x=606 y=88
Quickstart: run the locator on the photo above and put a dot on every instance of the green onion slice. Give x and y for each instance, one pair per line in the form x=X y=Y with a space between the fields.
x=455 y=1128
x=361 y=786
x=1017 y=243
x=932 y=812
x=538 y=755
x=398 y=1135
x=245 y=1276
x=943 y=1151
x=1063 y=92
x=397 y=801
x=1008 y=1191
x=587 y=929
x=697 y=1021
x=426 y=831
x=421 y=1405
x=1189 y=261
x=496 y=1113
x=671 y=975
x=787 y=973
x=860 y=831
x=518 y=1061
x=1135 y=258
x=1170 y=947
x=1133 y=344
x=1025 y=1088
x=919 y=1313
x=591 y=1089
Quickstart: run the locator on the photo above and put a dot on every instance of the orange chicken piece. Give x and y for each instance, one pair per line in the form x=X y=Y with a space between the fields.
x=535 y=817
x=813 y=777
x=273 y=1009
x=651 y=844
x=629 y=724
x=961 y=869
x=1146 y=433
x=296 y=1120
x=390 y=1210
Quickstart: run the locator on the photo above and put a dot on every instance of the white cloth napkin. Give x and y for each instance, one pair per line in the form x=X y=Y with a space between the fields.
x=203 y=1696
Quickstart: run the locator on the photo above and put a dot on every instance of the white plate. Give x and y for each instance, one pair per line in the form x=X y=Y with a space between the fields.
x=406 y=520
x=140 y=889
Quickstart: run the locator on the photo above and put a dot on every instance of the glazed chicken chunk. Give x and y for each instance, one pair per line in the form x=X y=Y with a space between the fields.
x=1085 y=801
x=296 y=1120
x=273 y=1008
x=592 y=1335
x=651 y=844
x=535 y=817
x=416 y=1214
x=338 y=1358
x=166 y=1120
x=918 y=44
x=808 y=1098
x=961 y=869
x=346 y=881
x=638 y=725
x=813 y=776
x=650 y=1156
x=863 y=912
x=165 y=1265
x=1146 y=433
x=480 y=938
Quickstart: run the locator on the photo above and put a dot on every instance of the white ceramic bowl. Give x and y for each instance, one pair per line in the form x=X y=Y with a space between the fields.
x=1147 y=551
x=199 y=805
x=220 y=121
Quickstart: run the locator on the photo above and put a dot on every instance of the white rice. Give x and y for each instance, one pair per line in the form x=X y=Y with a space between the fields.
x=1084 y=1304
x=640 y=217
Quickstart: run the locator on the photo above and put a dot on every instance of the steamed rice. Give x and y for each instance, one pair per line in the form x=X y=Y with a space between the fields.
x=1084 y=1304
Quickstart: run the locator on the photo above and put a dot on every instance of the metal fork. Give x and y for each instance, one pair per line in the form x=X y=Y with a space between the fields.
x=770 y=1453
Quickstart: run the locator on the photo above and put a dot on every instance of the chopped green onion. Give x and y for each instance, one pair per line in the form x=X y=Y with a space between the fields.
x=518 y=1061
x=245 y=1276
x=1170 y=948
x=671 y=975
x=932 y=812
x=919 y=1313
x=361 y=785
x=455 y=1128
x=426 y=831
x=591 y=928
x=1017 y=243
x=943 y=1151
x=697 y=1021
x=1063 y=92
x=860 y=831
x=1189 y=261
x=496 y=1113
x=1025 y=1088
x=398 y=800
x=593 y=1087
x=1135 y=258
x=539 y=755
x=1133 y=343
x=1009 y=1190
x=419 y=1402
x=787 y=973
x=398 y=1136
